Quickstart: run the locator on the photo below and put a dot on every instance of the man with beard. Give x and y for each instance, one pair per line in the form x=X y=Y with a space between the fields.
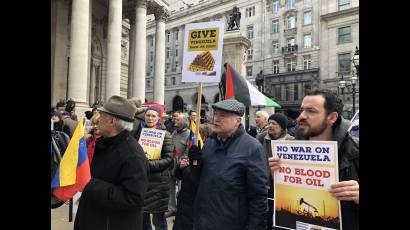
x=320 y=120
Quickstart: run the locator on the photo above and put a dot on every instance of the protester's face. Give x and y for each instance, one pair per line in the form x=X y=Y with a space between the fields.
x=312 y=120
x=151 y=118
x=274 y=129
x=179 y=121
x=55 y=119
x=192 y=116
x=174 y=116
x=105 y=123
x=260 y=120
x=225 y=123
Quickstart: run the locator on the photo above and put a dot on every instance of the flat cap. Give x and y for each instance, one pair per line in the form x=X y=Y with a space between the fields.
x=232 y=106
x=119 y=107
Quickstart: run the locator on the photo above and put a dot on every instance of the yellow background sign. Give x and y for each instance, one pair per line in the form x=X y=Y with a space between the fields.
x=203 y=39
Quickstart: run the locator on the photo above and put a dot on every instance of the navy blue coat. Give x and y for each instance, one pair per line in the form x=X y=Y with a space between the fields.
x=232 y=192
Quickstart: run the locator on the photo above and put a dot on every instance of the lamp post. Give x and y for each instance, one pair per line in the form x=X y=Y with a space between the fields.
x=353 y=81
x=355 y=61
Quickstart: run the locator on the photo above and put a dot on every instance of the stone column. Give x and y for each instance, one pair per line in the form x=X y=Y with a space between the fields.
x=138 y=90
x=159 y=68
x=131 y=56
x=114 y=48
x=78 y=70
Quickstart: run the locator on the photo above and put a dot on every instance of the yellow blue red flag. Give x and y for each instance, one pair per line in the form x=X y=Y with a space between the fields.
x=73 y=172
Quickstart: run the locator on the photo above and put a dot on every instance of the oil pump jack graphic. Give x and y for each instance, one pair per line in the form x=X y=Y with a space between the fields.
x=307 y=212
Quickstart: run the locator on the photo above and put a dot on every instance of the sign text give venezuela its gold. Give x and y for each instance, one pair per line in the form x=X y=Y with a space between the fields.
x=203 y=39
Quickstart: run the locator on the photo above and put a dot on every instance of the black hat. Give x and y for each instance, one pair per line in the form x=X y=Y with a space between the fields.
x=281 y=119
x=119 y=107
x=232 y=106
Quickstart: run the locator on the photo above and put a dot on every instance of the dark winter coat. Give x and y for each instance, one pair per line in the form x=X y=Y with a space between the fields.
x=232 y=192
x=348 y=150
x=189 y=176
x=113 y=199
x=157 y=196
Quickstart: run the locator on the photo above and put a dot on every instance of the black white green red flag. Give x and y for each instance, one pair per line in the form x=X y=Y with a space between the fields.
x=240 y=89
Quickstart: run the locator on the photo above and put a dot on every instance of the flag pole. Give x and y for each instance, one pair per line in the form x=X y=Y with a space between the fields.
x=70 y=210
x=198 y=112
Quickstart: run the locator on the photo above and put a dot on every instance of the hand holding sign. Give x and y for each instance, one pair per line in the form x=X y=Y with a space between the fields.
x=346 y=190
x=274 y=163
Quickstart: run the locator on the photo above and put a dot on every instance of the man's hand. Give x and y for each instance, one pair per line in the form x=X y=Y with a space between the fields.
x=345 y=190
x=274 y=163
x=184 y=163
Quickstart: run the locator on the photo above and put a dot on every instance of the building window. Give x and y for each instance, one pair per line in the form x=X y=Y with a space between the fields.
x=249 y=71
x=167 y=66
x=345 y=34
x=173 y=80
x=150 y=68
x=250 y=54
x=277 y=92
x=151 y=55
x=307 y=1
x=291 y=64
x=288 y=92
x=275 y=6
x=168 y=52
x=165 y=81
x=307 y=41
x=250 y=11
x=296 y=92
x=291 y=22
x=344 y=63
x=307 y=18
x=344 y=4
x=307 y=62
x=176 y=51
x=291 y=4
x=176 y=35
x=249 y=32
x=275 y=26
x=291 y=42
x=148 y=84
x=275 y=64
x=307 y=88
x=275 y=46
x=176 y=65
x=168 y=35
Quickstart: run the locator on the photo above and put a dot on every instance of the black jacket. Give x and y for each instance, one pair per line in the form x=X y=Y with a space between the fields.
x=157 y=196
x=189 y=176
x=113 y=199
x=348 y=150
x=232 y=192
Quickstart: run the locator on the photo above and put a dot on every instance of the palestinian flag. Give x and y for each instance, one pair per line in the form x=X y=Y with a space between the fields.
x=240 y=89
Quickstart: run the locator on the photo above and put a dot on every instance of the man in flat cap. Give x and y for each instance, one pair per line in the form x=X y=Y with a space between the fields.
x=113 y=199
x=232 y=192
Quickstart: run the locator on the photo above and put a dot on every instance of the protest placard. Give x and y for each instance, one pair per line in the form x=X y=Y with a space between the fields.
x=151 y=141
x=203 y=52
x=301 y=184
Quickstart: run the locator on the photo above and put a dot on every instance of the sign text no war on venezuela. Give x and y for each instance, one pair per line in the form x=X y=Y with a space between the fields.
x=203 y=52
x=151 y=141
x=301 y=184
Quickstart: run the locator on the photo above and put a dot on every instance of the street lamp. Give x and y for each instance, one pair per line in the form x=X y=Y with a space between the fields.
x=353 y=80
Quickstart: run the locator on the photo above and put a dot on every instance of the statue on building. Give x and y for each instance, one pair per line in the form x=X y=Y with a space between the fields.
x=234 y=19
x=259 y=81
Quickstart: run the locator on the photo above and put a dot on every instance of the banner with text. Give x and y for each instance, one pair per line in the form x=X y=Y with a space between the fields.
x=302 y=182
x=203 y=52
x=151 y=141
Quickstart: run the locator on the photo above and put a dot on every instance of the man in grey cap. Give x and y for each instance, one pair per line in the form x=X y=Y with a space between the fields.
x=113 y=199
x=232 y=192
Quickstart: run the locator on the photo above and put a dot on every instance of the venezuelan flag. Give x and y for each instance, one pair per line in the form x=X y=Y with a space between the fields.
x=73 y=172
x=191 y=139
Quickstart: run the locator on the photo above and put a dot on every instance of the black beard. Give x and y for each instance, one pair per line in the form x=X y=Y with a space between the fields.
x=315 y=132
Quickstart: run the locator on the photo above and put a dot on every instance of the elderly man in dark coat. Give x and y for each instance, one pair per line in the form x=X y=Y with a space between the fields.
x=113 y=199
x=232 y=192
